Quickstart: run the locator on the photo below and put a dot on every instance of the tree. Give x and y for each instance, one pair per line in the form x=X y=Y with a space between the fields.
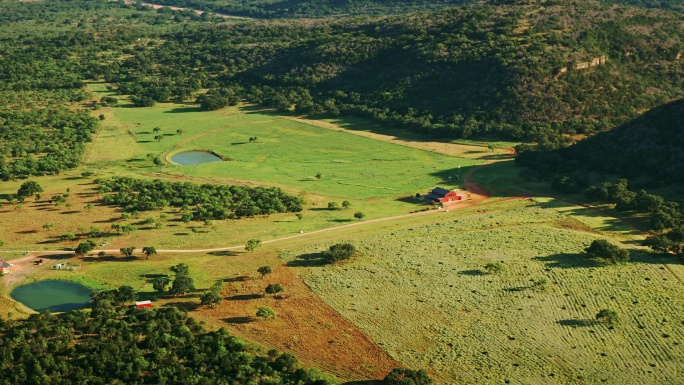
x=403 y=376
x=125 y=294
x=339 y=252
x=602 y=249
x=149 y=250
x=27 y=189
x=252 y=245
x=182 y=284
x=159 y=284
x=359 y=215
x=48 y=225
x=265 y=312
x=274 y=288
x=494 y=267
x=608 y=316
x=210 y=298
x=86 y=247
x=319 y=176
x=264 y=270
x=127 y=251
x=181 y=269
x=346 y=204
x=158 y=137
x=156 y=130
x=332 y=205
x=300 y=216
x=179 y=132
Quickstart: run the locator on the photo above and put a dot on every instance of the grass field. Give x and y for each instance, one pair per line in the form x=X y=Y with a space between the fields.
x=423 y=294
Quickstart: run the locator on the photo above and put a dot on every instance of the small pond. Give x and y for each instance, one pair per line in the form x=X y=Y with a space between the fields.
x=52 y=295
x=195 y=157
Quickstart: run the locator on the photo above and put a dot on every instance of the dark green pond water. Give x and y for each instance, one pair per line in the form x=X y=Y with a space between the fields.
x=194 y=157
x=54 y=296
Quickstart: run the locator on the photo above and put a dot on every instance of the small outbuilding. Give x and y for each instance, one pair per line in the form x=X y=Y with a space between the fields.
x=5 y=267
x=142 y=304
x=443 y=195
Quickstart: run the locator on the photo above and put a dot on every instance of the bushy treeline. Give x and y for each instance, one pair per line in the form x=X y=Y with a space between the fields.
x=113 y=345
x=200 y=202
x=675 y=5
x=461 y=72
x=312 y=8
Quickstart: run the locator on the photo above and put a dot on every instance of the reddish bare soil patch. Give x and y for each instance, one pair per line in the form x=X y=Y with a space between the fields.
x=318 y=335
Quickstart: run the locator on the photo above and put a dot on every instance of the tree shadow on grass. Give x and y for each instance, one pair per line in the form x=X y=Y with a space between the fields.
x=185 y=234
x=238 y=320
x=244 y=297
x=181 y=110
x=224 y=253
x=307 y=260
x=341 y=220
x=26 y=232
x=56 y=257
x=517 y=289
x=109 y=258
x=578 y=322
x=472 y=272
x=241 y=278
x=367 y=382
x=412 y=200
x=153 y=275
x=183 y=305
x=569 y=261
x=70 y=212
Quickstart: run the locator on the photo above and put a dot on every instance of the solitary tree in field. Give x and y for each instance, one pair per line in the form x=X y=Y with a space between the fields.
x=607 y=315
x=48 y=225
x=359 y=215
x=265 y=312
x=274 y=288
x=127 y=251
x=27 y=189
x=149 y=250
x=210 y=298
x=300 y=216
x=494 y=267
x=84 y=248
x=252 y=245
x=339 y=252
x=156 y=129
x=182 y=283
x=179 y=132
x=346 y=204
x=319 y=176
x=264 y=271
x=403 y=376
x=158 y=137
x=602 y=249
x=332 y=205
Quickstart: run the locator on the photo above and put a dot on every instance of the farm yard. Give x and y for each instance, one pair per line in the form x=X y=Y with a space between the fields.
x=491 y=291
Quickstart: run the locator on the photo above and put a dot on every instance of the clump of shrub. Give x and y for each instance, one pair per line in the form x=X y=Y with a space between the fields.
x=339 y=252
x=494 y=267
x=403 y=376
x=604 y=250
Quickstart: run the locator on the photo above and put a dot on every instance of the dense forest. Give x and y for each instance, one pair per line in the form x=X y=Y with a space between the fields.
x=200 y=202
x=119 y=345
x=522 y=72
x=516 y=72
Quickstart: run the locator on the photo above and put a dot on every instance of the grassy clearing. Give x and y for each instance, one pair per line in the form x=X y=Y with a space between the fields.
x=423 y=294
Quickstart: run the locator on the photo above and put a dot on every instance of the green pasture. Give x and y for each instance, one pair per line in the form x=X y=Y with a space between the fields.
x=422 y=292
x=286 y=153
